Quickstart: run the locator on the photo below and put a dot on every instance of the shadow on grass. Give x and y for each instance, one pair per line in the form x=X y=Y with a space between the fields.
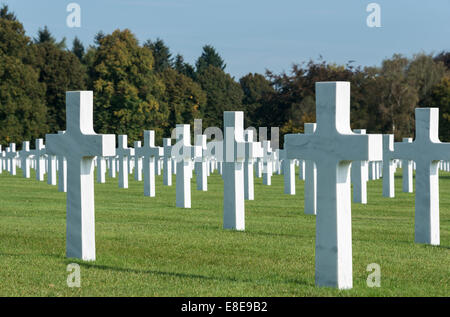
x=183 y=275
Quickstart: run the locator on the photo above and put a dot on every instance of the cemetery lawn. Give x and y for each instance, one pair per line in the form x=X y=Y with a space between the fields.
x=148 y=247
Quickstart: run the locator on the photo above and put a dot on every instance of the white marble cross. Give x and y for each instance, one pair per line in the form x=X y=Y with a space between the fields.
x=101 y=169
x=201 y=163
x=112 y=166
x=359 y=177
x=388 y=166
x=62 y=171
x=426 y=151
x=310 y=189
x=2 y=159
x=253 y=151
x=288 y=167
x=137 y=162
x=150 y=154
x=51 y=169
x=301 y=170
x=11 y=155
x=333 y=147
x=233 y=170
x=167 y=168
x=80 y=144
x=407 y=170
x=124 y=153
x=182 y=151
x=38 y=154
x=24 y=155
x=267 y=163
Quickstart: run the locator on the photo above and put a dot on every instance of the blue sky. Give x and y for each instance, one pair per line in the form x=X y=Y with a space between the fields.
x=254 y=35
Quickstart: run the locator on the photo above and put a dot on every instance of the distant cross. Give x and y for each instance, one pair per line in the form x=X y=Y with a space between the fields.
x=310 y=189
x=101 y=169
x=359 y=177
x=80 y=144
x=11 y=155
x=388 y=166
x=407 y=170
x=150 y=153
x=167 y=168
x=426 y=151
x=267 y=163
x=124 y=153
x=333 y=147
x=288 y=167
x=112 y=166
x=38 y=154
x=201 y=163
x=2 y=155
x=253 y=151
x=137 y=162
x=51 y=169
x=62 y=171
x=24 y=155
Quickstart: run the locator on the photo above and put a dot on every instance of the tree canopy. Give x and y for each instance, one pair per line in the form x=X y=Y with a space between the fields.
x=139 y=87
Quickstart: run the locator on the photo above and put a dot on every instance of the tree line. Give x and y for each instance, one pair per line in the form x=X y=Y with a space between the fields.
x=144 y=86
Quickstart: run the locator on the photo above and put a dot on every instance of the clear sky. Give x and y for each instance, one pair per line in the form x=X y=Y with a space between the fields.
x=254 y=35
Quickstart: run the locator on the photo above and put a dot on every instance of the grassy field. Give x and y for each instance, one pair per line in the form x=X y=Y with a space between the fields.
x=148 y=247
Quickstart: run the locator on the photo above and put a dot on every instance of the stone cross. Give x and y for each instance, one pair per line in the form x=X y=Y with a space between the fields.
x=11 y=155
x=25 y=159
x=359 y=177
x=62 y=171
x=7 y=163
x=150 y=153
x=301 y=170
x=167 y=168
x=2 y=160
x=137 y=162
x=233 y=170
x=201 y=163
x=267 y=163
x=388 y=166
x=333 y=147
x=124 y=153
x=310 y=189
x=51 y=175
x=112 y=166
x=288 y=167
x=253 y=151
x=182 y=151
x=38 y=154
x=426 y=151
x=407 y=170
x=79 y=145
x=101 y=169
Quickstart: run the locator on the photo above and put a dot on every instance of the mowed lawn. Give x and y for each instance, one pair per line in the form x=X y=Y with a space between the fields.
x=148 y=247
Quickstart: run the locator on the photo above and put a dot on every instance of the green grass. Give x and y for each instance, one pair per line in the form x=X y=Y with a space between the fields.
x=148 y=247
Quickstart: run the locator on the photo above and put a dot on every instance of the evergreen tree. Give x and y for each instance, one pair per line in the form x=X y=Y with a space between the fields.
x=223 y=94
x=78 y=48
x=60 y=70
x=44 y=36
x=256 y=89
x=183 y=68
x=161 y=54
x=209 y=57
